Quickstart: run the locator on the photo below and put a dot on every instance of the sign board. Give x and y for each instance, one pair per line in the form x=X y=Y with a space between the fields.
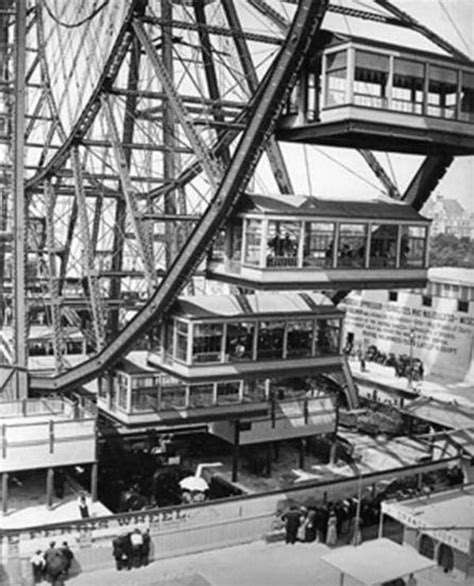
x=411 y=520
x=441 y=337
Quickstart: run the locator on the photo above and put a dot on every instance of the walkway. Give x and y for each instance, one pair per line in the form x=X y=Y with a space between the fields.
x=255 y=564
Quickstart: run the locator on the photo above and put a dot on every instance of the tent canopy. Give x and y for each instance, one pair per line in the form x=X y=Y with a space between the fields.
x=378 y=561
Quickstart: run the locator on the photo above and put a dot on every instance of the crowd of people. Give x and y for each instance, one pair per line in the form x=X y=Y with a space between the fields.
x=324 y=524
x=131 y=550
x=53 y=564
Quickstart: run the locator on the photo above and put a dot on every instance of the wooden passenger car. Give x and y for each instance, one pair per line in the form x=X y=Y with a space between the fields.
x=361 y=93
x=308 y=243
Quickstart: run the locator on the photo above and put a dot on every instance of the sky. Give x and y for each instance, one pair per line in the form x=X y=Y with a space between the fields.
x=342 y=172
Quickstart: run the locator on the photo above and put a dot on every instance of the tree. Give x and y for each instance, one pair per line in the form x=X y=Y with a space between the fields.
x=447 y=250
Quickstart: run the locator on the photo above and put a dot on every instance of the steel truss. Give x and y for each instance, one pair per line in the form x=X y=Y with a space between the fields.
x=136 y=154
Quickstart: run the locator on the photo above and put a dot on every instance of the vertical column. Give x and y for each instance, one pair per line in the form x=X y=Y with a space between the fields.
x=49 y=487
x=94 y=478
x=268 y=459
x=4 y=493
x=236 y=451
x=302 y=451
x=19 y=204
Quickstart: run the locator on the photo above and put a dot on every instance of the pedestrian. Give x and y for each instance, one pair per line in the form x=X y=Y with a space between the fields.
x=310 y=529
x=145 y=549
x=68 y=557
x=331 y=537
x=136 y=542
x=119 y=553
x=83 y=507
x=411 y=580
x=355 y=533
x=292 y=523
x=37 y=565
x=51 y=552
x=301 y=533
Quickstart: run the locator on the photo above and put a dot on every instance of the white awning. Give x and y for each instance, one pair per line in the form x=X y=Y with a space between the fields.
x=363 y=562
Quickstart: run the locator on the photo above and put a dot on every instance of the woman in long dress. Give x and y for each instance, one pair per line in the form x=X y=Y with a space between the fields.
x=331 y=538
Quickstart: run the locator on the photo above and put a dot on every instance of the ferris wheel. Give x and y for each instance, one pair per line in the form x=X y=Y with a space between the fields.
x=129 y=131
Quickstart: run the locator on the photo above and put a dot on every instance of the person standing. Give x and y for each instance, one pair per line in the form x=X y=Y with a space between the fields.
x=83 y=507
x=331 y=537
x=37 y=565
x=68 y=556
x=145 y=549
x=310 y=527
x=136 y=542
x=292 y=523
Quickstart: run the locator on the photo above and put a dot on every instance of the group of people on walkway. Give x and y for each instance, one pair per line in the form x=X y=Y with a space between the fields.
x=131 y=550
x=323 y=524
x=53 y=565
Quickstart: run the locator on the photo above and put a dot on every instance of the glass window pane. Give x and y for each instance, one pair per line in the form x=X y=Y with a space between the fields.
x=407 y=86
x=318 y=244
x=182 y=330
x=299 y=338
x=327 y=336
x=282 y=243
x=236 y=241
x=288 y=388
x=207 y=343
x=255 y=390
x=173 y=397
x=144 y=400
x=383 y=246
x=442 y=92
x=201 y=395
x=337 y=60
x=239 y=341
x=336 y=84
x=370 y=79
x=467 y=97
x=228 y=392
x=413 y=246
x=352 y=245
x=253 y=241
x=270 y=340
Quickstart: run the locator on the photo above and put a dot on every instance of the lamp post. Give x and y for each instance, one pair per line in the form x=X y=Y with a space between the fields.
x=410 y=364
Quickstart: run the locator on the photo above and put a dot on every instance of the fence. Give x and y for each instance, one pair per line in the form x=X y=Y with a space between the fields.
x=185 y=529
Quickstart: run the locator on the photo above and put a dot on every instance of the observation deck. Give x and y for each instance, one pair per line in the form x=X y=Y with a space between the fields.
x=223 y=357
x=49 y=432
x=296 y=242
x=360 y=93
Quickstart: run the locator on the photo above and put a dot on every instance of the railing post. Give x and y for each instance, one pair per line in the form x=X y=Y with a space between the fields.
x=4 y=441
x=4 y=493
x=94 y=477
x=49 y=487
x=51 y=436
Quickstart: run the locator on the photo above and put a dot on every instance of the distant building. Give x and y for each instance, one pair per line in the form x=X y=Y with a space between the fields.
x=448 y=217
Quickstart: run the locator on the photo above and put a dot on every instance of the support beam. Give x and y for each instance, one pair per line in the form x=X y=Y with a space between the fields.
x=236 y=451
x=417 y=26
x=209 y=164
x=122 y=162
x=170 y=156
x=49 y=487
x=302 y=452
x=90 y=274
x=19 y=205
x=426 y=179
x=94 y=481
x=272 y=149
x=5 y=493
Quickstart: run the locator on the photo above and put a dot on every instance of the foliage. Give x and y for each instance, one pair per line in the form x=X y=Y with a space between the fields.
x=447 y=250
x=380 y=418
